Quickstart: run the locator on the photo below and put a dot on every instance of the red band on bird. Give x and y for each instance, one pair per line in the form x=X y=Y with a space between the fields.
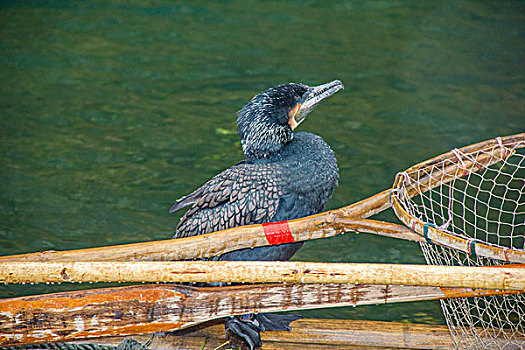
x=278 y=233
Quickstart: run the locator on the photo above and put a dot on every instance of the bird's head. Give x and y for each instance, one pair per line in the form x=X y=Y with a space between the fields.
x=267 y=122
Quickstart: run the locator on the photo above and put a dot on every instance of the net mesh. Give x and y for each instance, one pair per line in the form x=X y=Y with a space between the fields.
x=482 y=201
x=488 y=322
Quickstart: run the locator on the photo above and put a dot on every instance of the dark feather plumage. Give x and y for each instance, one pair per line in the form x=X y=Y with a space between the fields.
x=235 y=193
x=285 y=176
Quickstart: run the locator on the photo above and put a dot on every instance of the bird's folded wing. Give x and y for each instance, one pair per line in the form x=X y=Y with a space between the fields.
x=241 y=195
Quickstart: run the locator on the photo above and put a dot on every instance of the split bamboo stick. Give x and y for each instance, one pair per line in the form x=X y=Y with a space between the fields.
x=322 y=225
x=503 y=278
x=146 y=309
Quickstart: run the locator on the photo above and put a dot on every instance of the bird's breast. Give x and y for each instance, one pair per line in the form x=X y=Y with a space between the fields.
x=312 y=171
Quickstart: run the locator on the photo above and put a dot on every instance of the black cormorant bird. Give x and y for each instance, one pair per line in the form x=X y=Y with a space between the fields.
x=285 y=176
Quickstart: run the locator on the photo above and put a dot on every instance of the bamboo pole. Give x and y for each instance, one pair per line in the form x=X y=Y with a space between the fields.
x=322 y=225
x=146 y=309
x=311 y=334
x=509 y=141
x=503 y=278
x=333 y=334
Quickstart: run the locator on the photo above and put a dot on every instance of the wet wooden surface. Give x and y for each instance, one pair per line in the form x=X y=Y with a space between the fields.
x=145 y=309
x=313 y=334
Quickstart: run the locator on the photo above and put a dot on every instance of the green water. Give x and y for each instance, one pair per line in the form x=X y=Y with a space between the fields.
x=111 y=110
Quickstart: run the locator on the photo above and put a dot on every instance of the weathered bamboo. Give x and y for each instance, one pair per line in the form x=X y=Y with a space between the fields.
x=448 y=172
x=310 y=334
x=439 y=236
x=504 y=278
x=506 y=141
x=322 y=225
x=157 y=308
x=329 y=334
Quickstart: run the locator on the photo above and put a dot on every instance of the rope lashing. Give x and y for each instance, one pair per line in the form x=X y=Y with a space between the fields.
x=425 y=232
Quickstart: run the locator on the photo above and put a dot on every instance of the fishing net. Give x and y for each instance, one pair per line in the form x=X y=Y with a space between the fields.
x=470 y=207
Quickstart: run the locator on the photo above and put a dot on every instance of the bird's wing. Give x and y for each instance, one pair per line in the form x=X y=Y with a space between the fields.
x=241 y=195
x=195 y=195
x=186 y=200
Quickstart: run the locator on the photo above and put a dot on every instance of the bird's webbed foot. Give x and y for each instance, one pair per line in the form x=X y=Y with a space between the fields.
x=246 y=328
x=242 y=334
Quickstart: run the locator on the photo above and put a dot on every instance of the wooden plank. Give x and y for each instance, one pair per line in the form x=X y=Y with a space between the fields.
x=312 y=334
x=146 y=309
x=503 y=277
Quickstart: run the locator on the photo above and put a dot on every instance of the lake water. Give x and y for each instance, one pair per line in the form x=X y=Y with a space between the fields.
x=111 y=110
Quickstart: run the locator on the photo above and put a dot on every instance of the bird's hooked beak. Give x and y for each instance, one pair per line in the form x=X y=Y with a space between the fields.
x=311 y=99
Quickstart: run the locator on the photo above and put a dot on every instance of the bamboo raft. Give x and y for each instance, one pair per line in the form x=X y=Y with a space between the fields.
x=144 y=309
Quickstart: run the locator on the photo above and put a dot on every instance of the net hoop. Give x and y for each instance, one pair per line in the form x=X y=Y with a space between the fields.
x=448 y=167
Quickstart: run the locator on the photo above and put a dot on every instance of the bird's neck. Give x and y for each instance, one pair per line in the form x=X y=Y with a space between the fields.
x=263 y=152
x=265 y=143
